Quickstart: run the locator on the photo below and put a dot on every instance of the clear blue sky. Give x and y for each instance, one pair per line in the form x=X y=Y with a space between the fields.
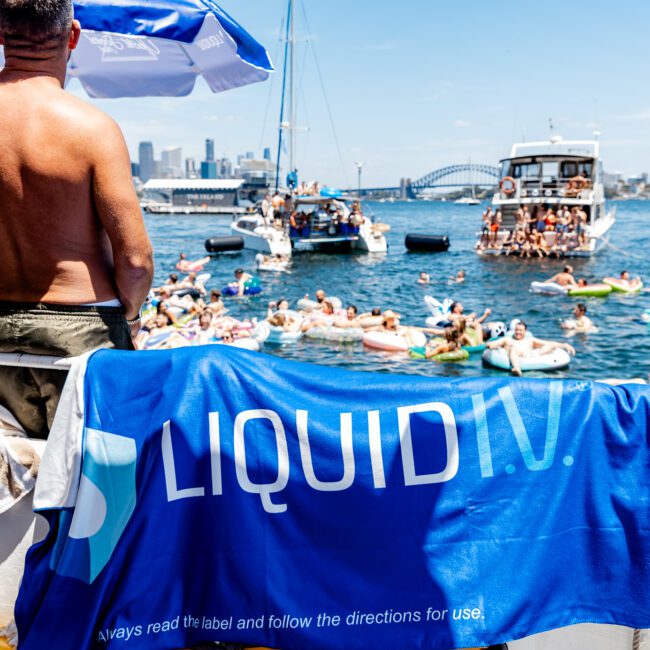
x=416 y=85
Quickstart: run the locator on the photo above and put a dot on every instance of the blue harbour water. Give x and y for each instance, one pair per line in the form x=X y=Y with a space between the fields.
x=621 y=348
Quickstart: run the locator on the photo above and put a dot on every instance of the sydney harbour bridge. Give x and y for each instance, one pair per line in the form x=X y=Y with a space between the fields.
x=453 y=176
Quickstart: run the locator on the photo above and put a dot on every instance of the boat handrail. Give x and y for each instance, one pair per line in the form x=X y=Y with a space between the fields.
x=40 y=361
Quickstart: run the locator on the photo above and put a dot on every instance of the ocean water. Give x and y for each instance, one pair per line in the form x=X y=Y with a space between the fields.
x=621 y=347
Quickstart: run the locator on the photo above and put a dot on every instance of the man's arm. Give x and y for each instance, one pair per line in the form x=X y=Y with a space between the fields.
x=119 y=212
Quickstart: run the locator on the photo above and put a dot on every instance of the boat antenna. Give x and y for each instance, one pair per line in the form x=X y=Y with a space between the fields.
x=550 y=125
x=284 y=85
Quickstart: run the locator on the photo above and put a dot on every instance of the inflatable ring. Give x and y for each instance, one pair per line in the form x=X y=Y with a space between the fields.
x=508 y=185
x=577 y=183
x=380 y=227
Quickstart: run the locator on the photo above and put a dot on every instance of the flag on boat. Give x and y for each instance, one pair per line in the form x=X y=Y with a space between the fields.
x=216 y=494
x=130 y=48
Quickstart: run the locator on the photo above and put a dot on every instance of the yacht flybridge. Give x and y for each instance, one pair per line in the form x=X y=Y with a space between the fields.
x=550 y=200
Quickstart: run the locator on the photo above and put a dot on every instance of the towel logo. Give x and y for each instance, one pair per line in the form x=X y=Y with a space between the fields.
x=105 y=502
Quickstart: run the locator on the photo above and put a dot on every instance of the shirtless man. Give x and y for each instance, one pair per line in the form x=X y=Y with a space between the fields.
x=75 y=259
x=580 y=321
x=521 y=346
x=565 y=278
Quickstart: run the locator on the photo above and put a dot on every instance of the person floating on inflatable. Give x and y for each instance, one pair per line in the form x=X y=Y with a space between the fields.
x=564 y=278
x=521 y=346
x=245 y=284
x=186 y=265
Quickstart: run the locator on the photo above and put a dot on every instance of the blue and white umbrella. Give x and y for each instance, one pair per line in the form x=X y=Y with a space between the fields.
x=145 y=48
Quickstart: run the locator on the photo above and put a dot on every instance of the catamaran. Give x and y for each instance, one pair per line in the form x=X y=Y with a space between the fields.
x=548 y=178
x=313 y=220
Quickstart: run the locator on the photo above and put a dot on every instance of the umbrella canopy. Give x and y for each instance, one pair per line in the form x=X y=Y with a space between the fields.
x=145 y=48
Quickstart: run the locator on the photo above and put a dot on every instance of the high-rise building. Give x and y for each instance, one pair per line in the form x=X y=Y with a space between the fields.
x=250 y=155
x=190 y=168
x=208 y=169
x=209 y=150
x=267 y=153
x=146 y=161
x=225 y=168
x=135 y=169
x=171 y=162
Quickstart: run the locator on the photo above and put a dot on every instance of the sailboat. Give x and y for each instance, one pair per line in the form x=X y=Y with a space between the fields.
x=468 y=200
x=314 y=218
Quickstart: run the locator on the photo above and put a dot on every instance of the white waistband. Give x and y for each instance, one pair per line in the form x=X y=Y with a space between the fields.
x=115 y=302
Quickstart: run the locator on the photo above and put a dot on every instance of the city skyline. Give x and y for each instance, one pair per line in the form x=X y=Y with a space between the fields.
x=430 y=86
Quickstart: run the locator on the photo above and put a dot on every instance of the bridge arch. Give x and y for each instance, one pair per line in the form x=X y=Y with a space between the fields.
x=460 y=175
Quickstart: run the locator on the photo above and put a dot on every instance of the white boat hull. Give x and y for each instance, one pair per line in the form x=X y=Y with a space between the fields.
x=264 y=239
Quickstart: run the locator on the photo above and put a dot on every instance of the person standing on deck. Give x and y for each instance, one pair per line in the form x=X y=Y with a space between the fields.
x=75 y=258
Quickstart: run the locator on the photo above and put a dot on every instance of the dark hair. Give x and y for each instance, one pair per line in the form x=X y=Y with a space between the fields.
x=453 y=306
x=353 y=307
x=521 y=322
x=215 y=292
x=581 y=307
x=37 y=21
x=567 y=268
x=173 y=276
x=376 y=312
x=239 y=271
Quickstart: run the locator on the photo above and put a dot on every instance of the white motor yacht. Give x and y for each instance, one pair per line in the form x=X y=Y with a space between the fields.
x=557 y=175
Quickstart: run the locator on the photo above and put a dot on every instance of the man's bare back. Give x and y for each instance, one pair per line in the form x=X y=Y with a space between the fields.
x=64 y=184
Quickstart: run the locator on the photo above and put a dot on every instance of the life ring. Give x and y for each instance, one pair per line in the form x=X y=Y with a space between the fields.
x=577 y=183
x=508 y=185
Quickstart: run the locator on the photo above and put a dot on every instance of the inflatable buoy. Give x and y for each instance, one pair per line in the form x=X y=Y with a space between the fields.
x=443 y=357
x=572 y=324
x=339 y=334
x=593 y=290
x=386 y=341
x=281 y=336
x=439 y=310
x=393 y=342
x=223 y=244
x=380 y=227
x=251 y=288
x=621 y=285
x=305 y=304
x=548 y=288
x=245 y=344
x=508 y=185
x=554 y=360
x=330 y=193
x=426 y=243
x=577 y=183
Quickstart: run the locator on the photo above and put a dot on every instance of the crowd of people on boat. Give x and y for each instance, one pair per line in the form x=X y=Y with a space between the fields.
x=281 y=210
x=544 y=232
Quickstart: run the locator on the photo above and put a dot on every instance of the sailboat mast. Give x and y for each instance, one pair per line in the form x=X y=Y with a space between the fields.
x=282 y=124
x=292 y=97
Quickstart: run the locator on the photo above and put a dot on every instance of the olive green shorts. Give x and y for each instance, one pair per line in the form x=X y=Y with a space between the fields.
x=31 y=394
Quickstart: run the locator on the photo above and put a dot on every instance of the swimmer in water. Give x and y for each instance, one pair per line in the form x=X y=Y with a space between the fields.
x=580 y=321
x=424 y=278
x=186 y=265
